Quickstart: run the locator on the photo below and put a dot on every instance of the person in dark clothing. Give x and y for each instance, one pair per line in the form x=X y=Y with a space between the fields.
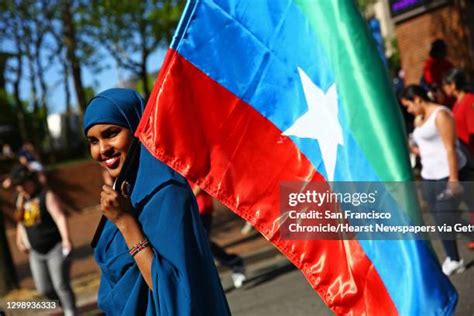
x=230 y=260
x=42 y=232
x=434 y=68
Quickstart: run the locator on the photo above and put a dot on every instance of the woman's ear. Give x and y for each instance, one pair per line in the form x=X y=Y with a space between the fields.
x=417 y=99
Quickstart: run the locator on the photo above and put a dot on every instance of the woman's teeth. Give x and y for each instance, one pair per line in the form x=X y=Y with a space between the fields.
x=111 y=162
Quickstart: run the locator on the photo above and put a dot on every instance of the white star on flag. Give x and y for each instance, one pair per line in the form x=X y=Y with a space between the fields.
x=320 y=122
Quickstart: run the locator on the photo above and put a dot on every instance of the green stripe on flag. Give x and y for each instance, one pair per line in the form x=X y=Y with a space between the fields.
x=372 y=111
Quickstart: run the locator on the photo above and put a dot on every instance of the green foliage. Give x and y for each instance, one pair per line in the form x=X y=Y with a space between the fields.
x=25 y=26
x=151 y=81
x=90 y=92
x=7 y=111
x=364 y=4
x=128 y=27
x=394 y=61
x=87 y=48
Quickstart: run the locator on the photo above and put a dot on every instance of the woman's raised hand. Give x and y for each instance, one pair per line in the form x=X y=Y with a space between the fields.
x=114 y=206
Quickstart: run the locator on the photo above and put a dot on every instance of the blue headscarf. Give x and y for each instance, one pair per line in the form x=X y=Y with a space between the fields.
x=124 y=107
x=118 y=106
x=184 y=277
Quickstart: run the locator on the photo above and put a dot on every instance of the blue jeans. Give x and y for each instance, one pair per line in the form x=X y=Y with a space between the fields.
x=51 y=276
x=446 y=211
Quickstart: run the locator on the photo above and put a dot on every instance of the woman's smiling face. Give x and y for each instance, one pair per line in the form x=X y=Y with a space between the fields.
x=108 y=145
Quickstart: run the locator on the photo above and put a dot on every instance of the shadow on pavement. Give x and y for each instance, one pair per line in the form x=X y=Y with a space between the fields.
x=470 y=264
x=266 y=274
x=242 y=240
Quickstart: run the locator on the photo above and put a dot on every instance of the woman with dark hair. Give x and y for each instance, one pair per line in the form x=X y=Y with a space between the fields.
x=153 y=252
x=455 y=85
x=42 y=232
x=443 y=164
x=437 y=65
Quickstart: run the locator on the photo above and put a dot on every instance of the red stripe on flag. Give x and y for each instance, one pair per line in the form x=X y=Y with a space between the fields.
x=221 y=143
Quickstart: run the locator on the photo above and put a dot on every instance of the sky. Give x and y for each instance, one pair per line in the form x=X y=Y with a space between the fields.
x=106 y=79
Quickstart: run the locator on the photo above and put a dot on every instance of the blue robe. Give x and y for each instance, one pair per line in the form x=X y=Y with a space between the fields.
x=184 y=277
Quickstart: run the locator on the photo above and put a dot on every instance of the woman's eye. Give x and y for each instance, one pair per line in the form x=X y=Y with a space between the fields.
x=111 y=133
x=93 y=141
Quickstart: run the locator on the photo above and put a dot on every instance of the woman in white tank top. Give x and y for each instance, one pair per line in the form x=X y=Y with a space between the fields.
x=442 y=164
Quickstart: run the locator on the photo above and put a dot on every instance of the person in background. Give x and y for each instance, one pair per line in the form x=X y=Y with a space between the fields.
x=455 y=85
x=29 y=158
x=232 y=261
x=7 y=152
x=437 y=64
x=443 y=165
x=398 y=84
x=434 y=68
x=42 y=232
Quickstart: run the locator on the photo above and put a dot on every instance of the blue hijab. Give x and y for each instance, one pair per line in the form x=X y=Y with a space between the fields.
x=123 y=107
x=184 y=277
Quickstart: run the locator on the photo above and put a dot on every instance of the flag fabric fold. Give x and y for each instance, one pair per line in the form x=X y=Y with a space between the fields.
x=253 y=93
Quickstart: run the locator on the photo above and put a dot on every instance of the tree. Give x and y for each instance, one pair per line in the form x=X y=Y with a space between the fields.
x=7 y=113
x=33 y=29
x=132 y=30
x=25 y=24
x=10 y=30
x=74 y=49
x=40 y=35
x=70 y=40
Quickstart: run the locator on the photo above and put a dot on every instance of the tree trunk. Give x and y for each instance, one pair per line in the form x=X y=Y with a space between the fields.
x=69 y=34
x=8 y=278
x=21 y=117
x=43 y=87
x=144 y=58
x=67 y=94
x=144 y=75
x=36 y=122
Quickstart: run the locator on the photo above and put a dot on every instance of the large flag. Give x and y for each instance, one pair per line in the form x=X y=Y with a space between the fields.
x=253 y=93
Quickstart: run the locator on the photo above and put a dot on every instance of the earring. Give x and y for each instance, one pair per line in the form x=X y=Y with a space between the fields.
x=125 y=189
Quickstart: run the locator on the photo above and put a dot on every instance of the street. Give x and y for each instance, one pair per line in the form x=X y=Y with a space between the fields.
x=275 y=287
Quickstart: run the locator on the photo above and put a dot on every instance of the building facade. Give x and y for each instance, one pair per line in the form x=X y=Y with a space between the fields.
x=419 y=22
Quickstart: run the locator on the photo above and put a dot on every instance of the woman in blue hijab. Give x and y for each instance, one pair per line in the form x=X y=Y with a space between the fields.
x=153 y=253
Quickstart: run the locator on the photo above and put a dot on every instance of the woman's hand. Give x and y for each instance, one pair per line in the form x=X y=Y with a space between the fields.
x=454 y=187
x=20 y=239
x=21 y=246
x=118 y=210
x=415 y=150
x=114 y=206
x=7 y=183
x=67 y=247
